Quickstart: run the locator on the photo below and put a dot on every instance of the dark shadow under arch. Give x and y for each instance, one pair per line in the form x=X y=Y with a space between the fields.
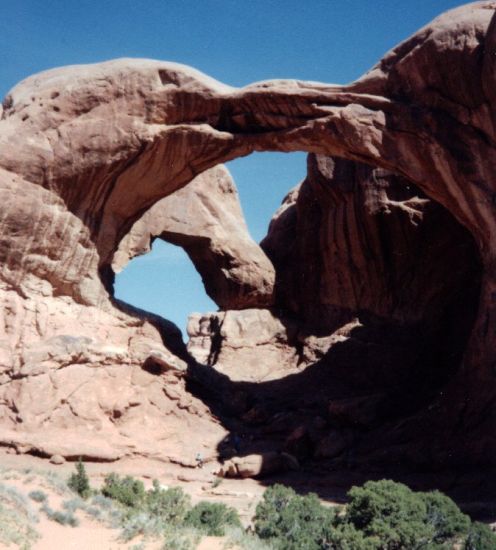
x=385 y=373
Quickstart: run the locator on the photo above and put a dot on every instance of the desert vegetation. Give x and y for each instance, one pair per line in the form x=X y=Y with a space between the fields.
x=380 y=515
x=17 y=518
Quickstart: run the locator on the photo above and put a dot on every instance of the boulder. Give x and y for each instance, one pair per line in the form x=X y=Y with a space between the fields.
x=258 y=465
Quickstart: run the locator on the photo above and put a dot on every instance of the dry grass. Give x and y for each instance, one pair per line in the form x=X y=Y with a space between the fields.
x=17 y=518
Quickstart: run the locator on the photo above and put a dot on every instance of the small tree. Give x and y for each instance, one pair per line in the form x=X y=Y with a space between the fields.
x=127 y=490
x=170 y=505
x=401 y=518
x=79 y=481
x=292 y=522
x=268 y=513
x=391 y=512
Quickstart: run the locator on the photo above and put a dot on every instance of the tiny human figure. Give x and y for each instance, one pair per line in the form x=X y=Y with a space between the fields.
x=199 y=460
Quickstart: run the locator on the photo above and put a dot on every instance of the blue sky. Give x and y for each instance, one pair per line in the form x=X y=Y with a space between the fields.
x=235 y=41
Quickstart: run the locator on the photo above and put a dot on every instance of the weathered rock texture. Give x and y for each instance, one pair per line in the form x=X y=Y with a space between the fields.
x=353 y=242
x=354 y=238
x=86 y=150
x=376 y=285
x=252 y=344
x=205 y=218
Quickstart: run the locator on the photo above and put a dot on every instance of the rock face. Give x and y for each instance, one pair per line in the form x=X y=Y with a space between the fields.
x=85 y=151
x=251 y=345
x=353 y=242
x=205 y=219
x=353 y=238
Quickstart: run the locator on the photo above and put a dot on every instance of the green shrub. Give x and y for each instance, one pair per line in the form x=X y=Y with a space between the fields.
x=140 y=512
x=268 y=512
x=79 y=481
x=212 y=518
x=480 y=537
x=292 y=522
x=128 y=491
x=37 y=496
x=381 y=515
x=180 y=538
x=140 y=523
x=400 y=518
x=94 y=512
x=106 y=510
x=74 y=504
x=389 y=511
x=170 y=505
x=65 y=518
x=244 y=540
x=102 y=502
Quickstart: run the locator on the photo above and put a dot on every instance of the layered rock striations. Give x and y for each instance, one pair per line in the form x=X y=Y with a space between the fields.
x=85 y=151
x=351 y=238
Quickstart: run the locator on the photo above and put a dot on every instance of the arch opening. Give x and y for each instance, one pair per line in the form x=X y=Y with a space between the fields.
x=163 y=282
x=103 y=143
x=206 y=222
x=374 y=282
x=377 y=290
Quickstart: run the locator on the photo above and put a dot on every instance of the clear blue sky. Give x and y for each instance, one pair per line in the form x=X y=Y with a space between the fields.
x=235 y=41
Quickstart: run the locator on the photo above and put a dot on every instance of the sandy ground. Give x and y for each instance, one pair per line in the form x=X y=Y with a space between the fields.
x=21 y=472
x=198 y=483
x=88 y=535
x=242 y=494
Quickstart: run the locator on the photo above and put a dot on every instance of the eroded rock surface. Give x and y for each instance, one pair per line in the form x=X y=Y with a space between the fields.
x=86 y=150
x=251 y=344
x=353 y=238
x=361 y=252
x=363 y=258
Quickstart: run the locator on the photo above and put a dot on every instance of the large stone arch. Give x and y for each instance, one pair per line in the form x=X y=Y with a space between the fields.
x=85 y=150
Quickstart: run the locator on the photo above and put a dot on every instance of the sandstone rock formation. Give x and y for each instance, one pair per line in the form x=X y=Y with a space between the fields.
x=205 y=219
x=355 y=238
x=378 y=289
x=357 y=242
x=250 y=345
x=86 y=150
